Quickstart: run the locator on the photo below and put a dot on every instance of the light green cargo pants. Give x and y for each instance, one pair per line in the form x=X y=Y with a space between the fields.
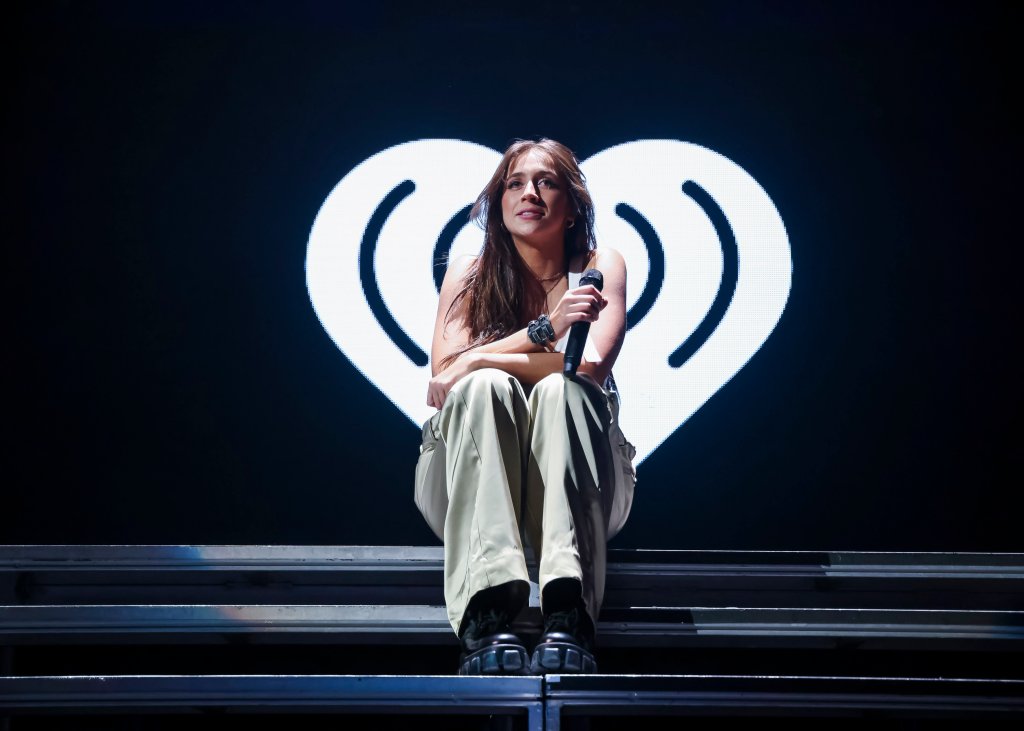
x=495 y=466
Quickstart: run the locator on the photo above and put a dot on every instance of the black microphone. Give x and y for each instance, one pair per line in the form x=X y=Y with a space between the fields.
x=578 y=332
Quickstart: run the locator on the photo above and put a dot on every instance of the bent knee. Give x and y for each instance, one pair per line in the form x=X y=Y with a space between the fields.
x=559 y=388
x=551 y=386
x=489 y=381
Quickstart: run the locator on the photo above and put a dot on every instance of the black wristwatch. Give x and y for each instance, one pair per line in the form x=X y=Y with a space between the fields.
x=540 y=331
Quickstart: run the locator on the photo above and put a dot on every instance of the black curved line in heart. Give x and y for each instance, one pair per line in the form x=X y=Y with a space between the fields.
x=655 y=258
x=444 y=243
x=727 y=285
x=368 y=273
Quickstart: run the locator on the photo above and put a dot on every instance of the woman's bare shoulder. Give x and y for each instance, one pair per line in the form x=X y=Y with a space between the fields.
x=462 y=262
x=606 y=258
x=457 y=270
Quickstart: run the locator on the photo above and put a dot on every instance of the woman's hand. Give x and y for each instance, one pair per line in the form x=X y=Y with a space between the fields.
x=442 y=383
x=583 y=304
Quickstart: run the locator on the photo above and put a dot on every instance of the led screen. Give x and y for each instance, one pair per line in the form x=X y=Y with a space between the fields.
x=227 y=224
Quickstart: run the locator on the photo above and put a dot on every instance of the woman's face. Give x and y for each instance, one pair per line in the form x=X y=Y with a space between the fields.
x=535 y=206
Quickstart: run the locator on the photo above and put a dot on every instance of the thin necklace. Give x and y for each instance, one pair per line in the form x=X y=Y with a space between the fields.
x=551 y=289
x=557 y=280
x=555 y=277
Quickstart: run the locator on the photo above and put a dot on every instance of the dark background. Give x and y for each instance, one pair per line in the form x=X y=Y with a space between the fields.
x=167 y=378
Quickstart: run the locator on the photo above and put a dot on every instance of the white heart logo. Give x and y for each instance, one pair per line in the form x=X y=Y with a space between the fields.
x=706 y=251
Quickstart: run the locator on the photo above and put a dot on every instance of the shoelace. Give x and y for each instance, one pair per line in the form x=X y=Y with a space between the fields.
x=487 y=622
x=565 y=621
x=570 y=622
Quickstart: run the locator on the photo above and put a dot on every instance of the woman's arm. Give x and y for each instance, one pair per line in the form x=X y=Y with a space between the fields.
x=516 y=353
x=527 y=367
x=451 y=335
x=608 y=331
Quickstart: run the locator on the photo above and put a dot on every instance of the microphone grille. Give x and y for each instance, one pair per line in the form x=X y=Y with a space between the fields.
x=592 y=276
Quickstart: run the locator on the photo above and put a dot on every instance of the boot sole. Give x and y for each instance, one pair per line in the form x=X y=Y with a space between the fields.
x=561 y=657
x=496 y=660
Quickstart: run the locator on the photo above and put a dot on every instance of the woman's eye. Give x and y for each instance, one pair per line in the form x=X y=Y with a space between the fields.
x=548 y=183
x=512 y=184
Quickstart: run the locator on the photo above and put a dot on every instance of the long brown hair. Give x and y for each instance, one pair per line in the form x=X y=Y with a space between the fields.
x=500 y=294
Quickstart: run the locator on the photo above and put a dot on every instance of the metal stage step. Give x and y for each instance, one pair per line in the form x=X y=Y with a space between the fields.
x=874 y=698
x=416 y=624
x=540 y=703
x=382 y=696
x=348 y=594
x=690 y=632
x=413 y=575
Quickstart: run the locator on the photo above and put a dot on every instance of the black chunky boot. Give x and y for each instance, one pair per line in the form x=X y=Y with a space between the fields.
x=567 y=644
x=489 y=647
